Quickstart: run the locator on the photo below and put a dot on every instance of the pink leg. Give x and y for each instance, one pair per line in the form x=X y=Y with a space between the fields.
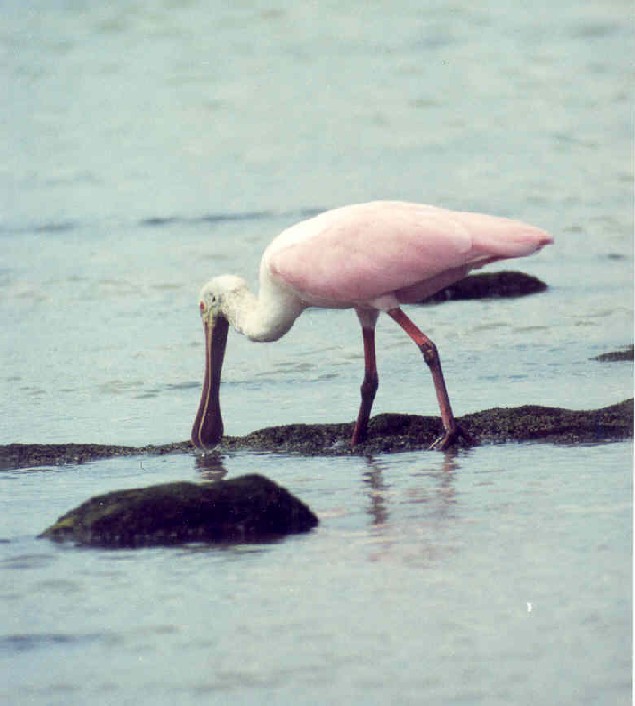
x=368 y=388
x=451 y=429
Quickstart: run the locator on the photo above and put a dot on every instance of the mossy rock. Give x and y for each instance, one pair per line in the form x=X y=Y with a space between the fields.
x=250 y=508
x=387 y=433
x=390 y=433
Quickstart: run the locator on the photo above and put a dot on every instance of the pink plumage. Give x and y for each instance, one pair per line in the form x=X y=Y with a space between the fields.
x=357 y=254
x=372 y=257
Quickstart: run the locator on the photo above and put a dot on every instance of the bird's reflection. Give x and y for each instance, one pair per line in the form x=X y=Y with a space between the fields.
x=374 y=478
x=210 y=465
x=433 y=487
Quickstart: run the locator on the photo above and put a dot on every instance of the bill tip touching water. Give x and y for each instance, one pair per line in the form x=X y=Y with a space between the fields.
x=370 y=257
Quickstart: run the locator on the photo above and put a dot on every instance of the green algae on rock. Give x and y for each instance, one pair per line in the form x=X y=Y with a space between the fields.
x=14 y=456
x=553 y=424
x=249 y=508
x=388 y=433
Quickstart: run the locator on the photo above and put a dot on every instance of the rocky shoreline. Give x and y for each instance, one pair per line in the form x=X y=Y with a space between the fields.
x=388 y=433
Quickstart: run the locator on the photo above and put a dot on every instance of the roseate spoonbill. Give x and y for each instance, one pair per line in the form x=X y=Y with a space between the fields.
x=370 y=257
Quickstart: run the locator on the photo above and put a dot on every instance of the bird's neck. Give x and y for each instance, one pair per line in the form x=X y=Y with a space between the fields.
x=265 y=317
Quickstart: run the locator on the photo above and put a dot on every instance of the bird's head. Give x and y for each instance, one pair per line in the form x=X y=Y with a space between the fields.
x=216 y=296
x=215 y=303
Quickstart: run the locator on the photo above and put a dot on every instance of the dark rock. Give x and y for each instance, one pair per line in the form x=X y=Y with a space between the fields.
x=406 y=432
x=32 y=455
x=250 y=508
x=490 y=285
x=387 y=433
x=553 y=424
x=626 y=354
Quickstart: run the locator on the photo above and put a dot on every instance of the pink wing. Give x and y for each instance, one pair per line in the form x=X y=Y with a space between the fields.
x=358 y=253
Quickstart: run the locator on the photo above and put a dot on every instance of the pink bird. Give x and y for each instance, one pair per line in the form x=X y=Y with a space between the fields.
x=370 y=257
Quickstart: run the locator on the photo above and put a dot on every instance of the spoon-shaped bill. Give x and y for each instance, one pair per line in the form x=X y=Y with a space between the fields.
x=207 y=429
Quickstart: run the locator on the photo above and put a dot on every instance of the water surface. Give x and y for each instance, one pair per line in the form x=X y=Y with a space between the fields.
x=150 y=148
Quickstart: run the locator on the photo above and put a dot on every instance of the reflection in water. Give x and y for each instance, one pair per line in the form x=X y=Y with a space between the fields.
x=443 y=496
x=444 y=493
x=374 y=478
x=432 y=486
x=210 y=465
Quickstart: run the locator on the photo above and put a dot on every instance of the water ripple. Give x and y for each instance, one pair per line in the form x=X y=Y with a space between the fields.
x=162 y=221
x=26 y=642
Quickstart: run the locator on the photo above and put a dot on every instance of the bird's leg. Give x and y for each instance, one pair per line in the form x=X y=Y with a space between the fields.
x=452 y=431
x=369 y=385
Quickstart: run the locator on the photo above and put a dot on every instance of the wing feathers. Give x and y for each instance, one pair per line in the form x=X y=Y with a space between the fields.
x=358 y=253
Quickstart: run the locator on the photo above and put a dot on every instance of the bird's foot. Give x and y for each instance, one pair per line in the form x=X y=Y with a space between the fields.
x=451 y=438
x=360 y=432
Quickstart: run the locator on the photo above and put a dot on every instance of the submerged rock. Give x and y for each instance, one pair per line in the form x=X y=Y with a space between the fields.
x=409 y=432
x=625 y=354
x=387 y=433
x=250 y=508
x=31 y=455
x=553 y=424
x=490 y=285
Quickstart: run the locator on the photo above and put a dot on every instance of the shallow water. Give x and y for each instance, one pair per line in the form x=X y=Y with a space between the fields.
x=151 y=148
x=466 y=580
